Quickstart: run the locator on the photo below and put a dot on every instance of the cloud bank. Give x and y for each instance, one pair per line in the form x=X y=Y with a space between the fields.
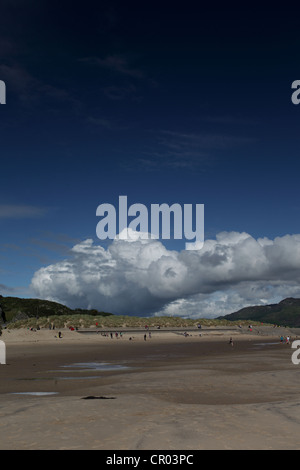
x=143 y=277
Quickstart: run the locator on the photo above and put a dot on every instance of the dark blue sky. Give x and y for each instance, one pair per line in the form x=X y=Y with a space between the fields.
x=159 y=101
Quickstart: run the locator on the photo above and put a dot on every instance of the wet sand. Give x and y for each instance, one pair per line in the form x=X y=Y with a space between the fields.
x=169 y=392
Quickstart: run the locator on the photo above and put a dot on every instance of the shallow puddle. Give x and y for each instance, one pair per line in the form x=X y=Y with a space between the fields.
x=39 y=394
x=88 y=366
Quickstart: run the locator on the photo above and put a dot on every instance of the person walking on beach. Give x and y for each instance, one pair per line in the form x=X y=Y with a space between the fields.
x=145 y=337
x=231 y=341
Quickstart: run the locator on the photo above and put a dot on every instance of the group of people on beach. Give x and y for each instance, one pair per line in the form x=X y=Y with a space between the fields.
x=117 y=335
x=120 y=335
x=285 y=340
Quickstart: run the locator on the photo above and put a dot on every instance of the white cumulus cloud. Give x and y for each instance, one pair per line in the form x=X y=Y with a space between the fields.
x=142 y=277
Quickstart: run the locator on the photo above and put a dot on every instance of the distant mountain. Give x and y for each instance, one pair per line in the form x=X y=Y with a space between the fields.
x=17 y=307
x=285 y=313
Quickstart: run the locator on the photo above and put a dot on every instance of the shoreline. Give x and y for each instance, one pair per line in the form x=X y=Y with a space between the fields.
x=26 y=335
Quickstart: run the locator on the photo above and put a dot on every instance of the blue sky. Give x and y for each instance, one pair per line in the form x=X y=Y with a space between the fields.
x=163 y=103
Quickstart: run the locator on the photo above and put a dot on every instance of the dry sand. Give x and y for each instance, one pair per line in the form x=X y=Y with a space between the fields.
x=169 y=392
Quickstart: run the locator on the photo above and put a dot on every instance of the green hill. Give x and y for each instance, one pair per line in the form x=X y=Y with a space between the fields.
x=15 y=307
x=285 y=313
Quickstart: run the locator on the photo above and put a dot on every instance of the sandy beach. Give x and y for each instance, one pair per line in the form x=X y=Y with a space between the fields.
x=168 y=392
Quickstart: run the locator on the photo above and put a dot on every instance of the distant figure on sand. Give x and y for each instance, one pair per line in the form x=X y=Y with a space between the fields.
x=145 y=337
x=231 y=341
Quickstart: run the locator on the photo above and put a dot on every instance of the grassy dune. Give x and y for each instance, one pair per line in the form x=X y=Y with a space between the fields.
x=119 y=321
